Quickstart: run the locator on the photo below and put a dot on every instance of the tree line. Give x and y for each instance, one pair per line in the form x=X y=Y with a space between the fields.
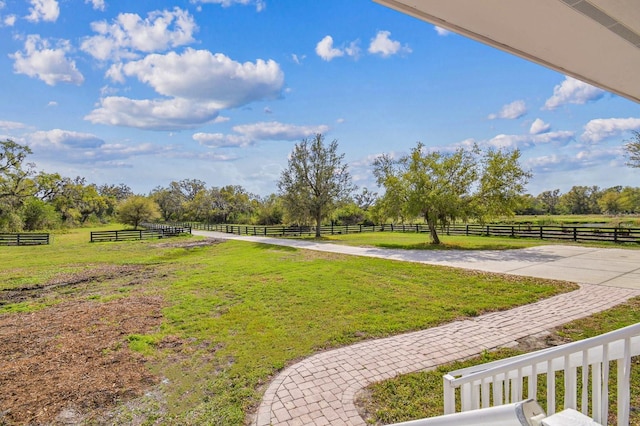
x=315 y=188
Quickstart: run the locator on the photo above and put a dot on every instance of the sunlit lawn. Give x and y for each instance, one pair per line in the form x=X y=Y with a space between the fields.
x=261 y=307
x=420 y=241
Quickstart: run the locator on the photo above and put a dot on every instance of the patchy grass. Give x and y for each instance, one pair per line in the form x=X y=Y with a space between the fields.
x=234 y=313
x=419 y=395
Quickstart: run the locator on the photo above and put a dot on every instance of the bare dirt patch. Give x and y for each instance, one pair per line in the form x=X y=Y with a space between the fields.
x=70 y=362
x=190 y=243
x=92 y=274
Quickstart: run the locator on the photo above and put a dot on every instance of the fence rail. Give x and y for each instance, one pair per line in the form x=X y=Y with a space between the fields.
x=586 y=372
x=16 y=239
x=564 y=233
x=168 y=230
x=125 y=235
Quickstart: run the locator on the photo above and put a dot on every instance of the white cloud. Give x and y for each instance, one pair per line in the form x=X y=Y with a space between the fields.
x=539 y=126
x=525 y=141
x=326 y=51
x=43 y=10
x=198 y=84
x=158 y=114
x=572 y=91
x=274 y=130
x=58 y=139
x=249 y=134
x=48 y=64
x=97 y=4
x=221 y=119
x=215 y=78
x=382 y=45
x=298 y=59
x=260 y=4
x=87 y=148
x=52 y=104
x=569 y=162
x=10 y=20
x=512 y=111
x=11 y=125
x=441 y=31
x=220 y=140
x=129 y=34
x=602 y=128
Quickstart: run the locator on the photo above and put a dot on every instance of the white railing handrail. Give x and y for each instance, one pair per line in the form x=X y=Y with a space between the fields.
x=501 y=382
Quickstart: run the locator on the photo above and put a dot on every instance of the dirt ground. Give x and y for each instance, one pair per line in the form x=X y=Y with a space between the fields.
x=68 y=363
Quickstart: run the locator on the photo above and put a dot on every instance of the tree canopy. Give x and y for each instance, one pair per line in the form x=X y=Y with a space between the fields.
x=315 y=180
x=137 y=209
x=632 y=148
x=443 y=187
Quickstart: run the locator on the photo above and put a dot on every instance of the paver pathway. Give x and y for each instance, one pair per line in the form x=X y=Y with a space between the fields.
x=320 y=390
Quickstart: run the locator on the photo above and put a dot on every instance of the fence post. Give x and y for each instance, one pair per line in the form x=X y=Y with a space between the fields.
x=575 y=233
x=331 y=227
x=513 y=231
x=488 y=232
x=615 y=235
x=467 y=231
x=541 y=233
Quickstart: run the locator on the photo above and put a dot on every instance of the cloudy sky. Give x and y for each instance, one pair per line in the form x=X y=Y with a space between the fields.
x=146 y=92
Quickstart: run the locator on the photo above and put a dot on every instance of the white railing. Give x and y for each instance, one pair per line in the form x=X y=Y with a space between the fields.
x=514 y=379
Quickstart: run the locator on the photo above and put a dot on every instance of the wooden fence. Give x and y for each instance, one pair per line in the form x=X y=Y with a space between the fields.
x=13 y=239
x=168 y=230
x=153 y=230
x=564 y=233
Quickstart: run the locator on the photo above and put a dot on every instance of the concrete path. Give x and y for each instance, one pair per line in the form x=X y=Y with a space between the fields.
x=320 y=390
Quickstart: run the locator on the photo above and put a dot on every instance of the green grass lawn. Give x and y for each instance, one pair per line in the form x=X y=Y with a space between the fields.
x=419 y=395
x=420 y=241
x=576 y=219
x=236 y=313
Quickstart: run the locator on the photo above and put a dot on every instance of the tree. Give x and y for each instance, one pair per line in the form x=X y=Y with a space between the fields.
x=137 y=209
x=16 y=184
x=550 y=200
x=314 y=181
x=445 y=187
x=632 y=148
x=168 y=201
x=581 y=200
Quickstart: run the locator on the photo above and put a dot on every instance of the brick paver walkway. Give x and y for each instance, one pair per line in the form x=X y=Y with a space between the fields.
x=320 y=390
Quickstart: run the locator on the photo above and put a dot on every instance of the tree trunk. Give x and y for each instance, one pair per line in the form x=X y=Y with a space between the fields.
x=432 y=229
x=318 y=223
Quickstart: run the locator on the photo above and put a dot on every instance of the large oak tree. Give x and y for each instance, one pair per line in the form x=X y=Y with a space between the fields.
x=315 y=180
x=444 y=187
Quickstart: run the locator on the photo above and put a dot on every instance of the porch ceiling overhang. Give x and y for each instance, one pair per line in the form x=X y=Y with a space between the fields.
x=596 y=41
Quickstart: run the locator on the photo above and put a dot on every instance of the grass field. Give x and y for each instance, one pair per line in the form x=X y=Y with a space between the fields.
x=417 y=241
x=209 y=323
x=575 y=219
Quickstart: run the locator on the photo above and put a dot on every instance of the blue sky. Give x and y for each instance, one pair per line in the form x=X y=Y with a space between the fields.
x=146 y=92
